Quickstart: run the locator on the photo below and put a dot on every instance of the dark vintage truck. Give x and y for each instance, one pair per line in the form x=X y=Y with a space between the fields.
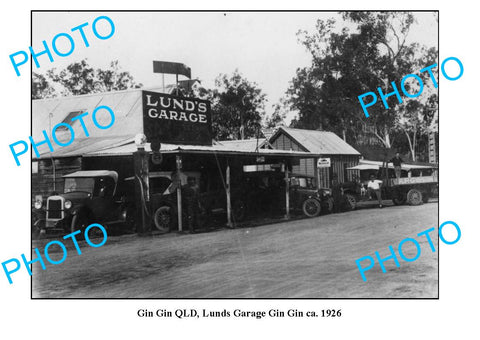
x=411 y=189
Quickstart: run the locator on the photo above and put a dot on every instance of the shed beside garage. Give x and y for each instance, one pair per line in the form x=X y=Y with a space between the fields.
x=325 y=143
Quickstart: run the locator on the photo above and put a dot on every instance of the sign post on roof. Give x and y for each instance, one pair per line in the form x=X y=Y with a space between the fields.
x=171 y=68
x=176 y=120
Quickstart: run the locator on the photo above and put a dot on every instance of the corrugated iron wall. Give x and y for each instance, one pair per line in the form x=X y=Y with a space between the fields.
x=339 y=165
x=324 y=177
x=285 y=143
x=306 y=166
x=42 y=181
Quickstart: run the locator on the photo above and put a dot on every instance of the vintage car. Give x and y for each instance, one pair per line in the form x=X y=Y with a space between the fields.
x=267 y=192
x=211 y=199
x=88 y=197
x=303 y=191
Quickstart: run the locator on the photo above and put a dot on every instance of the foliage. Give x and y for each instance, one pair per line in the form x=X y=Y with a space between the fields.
x=80 y=78
x=41 y=87
x=238 y=107
x=277 y=118
x=350 y=62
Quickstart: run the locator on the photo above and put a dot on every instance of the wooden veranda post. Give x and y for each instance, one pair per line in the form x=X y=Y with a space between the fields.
x=179 y=192
x=229 y=202
x=287 y=192
x=142 y=195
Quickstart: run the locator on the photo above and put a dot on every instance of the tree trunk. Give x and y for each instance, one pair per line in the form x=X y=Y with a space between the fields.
x=385 y=139
x=414 y=156
x=412 y=143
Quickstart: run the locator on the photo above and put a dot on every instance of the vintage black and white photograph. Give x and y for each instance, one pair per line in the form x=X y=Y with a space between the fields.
x=240 y=155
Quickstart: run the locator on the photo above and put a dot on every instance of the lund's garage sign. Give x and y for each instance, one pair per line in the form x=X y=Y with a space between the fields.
x=176 y=120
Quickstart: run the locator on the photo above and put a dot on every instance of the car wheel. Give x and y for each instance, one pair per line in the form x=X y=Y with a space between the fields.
x=129 y=224
x=311 y=207
x=37 y=229
x=329 y=203
x=351 y=202
x=79 y=222
x=414 y=197
x=239 y=211
x=163 y=219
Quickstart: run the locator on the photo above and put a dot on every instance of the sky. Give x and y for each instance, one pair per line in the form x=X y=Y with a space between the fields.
x=262 y=46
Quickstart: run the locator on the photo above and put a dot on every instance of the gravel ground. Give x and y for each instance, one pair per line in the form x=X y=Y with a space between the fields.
x=307 y=258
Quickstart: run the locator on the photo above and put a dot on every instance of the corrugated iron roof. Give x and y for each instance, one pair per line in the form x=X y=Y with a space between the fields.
x=251 y=144
x=128 y=149
x=365 y=164
x=126 y=105
x=319 y=142
x=80 y=147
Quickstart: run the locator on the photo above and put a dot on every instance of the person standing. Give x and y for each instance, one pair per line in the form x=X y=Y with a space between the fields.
x=374 y=186
x=336 y=194
x=397 y=165
x=190 y=195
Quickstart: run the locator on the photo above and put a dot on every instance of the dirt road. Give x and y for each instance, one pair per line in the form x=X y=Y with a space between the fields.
x=308 y=258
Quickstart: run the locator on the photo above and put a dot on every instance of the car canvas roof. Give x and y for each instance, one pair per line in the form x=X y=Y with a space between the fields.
x=93 y=173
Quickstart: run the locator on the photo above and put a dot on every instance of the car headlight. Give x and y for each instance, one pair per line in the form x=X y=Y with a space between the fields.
x=38 y=204
x=326 y=192
x=68 y=204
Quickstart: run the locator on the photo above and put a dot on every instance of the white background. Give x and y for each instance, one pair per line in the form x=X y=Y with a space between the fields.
x=453 y=315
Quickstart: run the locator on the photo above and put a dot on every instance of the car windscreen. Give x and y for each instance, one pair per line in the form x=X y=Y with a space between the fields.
x=158 y=185
x=85 y=184
x=303 y=182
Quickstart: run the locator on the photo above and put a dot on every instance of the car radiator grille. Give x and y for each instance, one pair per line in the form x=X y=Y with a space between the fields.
x=54 y=208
